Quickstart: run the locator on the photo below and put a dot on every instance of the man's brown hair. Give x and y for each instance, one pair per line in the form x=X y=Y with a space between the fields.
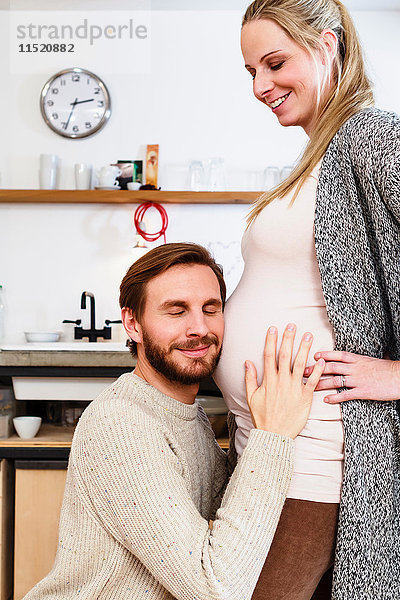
x=157 y=261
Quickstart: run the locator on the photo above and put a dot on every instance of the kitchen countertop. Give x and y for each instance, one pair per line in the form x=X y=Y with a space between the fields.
x=23 y=356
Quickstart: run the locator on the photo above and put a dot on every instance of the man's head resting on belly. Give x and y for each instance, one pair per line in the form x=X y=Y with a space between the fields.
x=172 y=302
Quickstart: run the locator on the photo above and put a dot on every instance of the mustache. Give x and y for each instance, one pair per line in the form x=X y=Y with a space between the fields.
x=207 y=340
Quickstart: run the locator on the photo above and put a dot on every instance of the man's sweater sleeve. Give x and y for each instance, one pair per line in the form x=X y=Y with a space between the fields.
x=134 y=486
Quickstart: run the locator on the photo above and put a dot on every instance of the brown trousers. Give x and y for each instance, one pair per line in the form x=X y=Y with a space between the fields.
x=301 y=554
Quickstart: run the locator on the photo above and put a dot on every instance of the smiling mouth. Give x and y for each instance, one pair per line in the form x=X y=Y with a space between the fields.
x=274 y=105
x=197 y=352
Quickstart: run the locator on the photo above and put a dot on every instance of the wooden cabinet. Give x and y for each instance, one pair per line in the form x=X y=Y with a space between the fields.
x=6 y=529
x=39 y=490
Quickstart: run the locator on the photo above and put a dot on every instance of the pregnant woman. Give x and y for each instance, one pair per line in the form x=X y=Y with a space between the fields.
x=323 y=250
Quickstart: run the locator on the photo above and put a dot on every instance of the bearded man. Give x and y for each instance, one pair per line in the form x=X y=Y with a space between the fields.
x=145 y=474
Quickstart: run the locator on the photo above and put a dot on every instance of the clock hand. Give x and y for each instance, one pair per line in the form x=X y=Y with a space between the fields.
x=82 y=101
x=70 y=114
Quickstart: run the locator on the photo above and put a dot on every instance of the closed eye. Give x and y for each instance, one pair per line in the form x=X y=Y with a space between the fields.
x=277 y=67
x=212 y=310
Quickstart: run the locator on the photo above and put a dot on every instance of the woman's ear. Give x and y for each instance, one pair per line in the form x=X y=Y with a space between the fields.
x=329 y=44
x=131 y=325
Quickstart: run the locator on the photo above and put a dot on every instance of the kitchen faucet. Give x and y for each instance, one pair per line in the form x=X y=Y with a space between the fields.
x=92 y=309
x=92 y=333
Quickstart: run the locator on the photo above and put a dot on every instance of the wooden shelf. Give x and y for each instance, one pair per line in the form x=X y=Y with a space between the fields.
x=123 y=197
x=53 y=436
x=49 y=436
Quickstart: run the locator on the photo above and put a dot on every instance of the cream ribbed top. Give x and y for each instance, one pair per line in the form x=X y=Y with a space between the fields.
x=281 y=284
x=145 y=476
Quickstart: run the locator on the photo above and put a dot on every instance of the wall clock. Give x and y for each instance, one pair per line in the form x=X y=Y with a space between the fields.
x=75 y=103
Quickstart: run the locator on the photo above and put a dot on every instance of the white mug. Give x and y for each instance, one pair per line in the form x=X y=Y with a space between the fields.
x=110 y=170
x=106 y=176
x=47 y=161
x=83 y=176
x=108 y=183
x=48 y=178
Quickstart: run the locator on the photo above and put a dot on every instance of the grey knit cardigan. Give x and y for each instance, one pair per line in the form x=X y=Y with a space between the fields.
x=357 y=239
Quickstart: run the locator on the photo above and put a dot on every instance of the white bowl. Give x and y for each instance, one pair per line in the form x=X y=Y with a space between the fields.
x=133 y=185
x=42 y=336
x=27 y=427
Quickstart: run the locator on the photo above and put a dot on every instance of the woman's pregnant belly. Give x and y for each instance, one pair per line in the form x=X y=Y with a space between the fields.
x=319 y=447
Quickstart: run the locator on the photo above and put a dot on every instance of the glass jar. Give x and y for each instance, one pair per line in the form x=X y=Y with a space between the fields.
x=7 y=411
x=196 y=176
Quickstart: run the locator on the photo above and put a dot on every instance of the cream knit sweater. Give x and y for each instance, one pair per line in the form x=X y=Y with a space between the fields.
x=145 y=476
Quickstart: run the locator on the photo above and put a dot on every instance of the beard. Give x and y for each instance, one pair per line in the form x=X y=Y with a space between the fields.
x=160 y=359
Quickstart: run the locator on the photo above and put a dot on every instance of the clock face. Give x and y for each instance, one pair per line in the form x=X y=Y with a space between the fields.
x=75 y=103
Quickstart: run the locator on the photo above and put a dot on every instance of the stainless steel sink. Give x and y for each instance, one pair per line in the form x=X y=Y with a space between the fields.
x=60 y=388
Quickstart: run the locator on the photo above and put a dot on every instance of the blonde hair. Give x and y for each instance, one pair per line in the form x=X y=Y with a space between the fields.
x=303 y=21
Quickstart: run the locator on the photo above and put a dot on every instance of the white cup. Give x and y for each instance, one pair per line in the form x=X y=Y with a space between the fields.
x=48 y=178
x=108 y=182
x=133 y=185
x=47 y=161
x=83 y=176
x=110 y=171
x=106 y=176
x=27 y=427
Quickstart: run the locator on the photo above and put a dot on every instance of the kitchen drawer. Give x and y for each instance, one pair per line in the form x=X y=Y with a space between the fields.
x=39 y=490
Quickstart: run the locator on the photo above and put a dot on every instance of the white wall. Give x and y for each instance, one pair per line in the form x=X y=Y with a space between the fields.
x=195 y=101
